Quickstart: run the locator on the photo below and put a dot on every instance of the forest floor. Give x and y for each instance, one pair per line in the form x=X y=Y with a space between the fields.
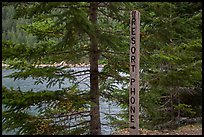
x=195 y=129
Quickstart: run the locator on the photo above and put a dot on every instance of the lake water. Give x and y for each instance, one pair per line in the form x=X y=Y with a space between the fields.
x=28 y=84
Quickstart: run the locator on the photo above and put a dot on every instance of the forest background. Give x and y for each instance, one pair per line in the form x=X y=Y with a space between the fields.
x=97 y=33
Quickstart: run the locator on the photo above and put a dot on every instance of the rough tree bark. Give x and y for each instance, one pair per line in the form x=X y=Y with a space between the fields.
x=95 y=125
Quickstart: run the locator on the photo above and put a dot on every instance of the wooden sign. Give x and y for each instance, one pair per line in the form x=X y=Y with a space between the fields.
x=134 y=72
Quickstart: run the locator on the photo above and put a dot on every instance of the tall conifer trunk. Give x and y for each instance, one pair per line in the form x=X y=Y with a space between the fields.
x=95 y=127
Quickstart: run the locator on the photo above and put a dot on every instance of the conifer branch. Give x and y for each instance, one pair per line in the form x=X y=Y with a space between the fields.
x=68 y=115
x=113 y=52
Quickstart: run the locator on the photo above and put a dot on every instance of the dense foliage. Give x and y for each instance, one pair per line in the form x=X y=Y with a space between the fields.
x=171 y=62
x=64 y=32
x=171 y=49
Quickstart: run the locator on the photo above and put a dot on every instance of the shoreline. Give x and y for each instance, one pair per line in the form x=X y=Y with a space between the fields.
x=62 y=64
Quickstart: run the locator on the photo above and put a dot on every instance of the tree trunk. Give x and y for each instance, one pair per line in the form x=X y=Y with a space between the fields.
x=95 y=125
x=172 y=107
x=179 y=111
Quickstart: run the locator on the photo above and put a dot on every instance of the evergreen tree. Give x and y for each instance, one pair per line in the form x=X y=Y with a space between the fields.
x=171 y=49
x=66 y=32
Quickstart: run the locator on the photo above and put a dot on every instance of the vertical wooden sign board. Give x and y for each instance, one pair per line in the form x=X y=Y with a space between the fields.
x=134 y=72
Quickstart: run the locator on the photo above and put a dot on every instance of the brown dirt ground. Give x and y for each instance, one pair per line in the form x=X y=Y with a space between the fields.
x=195 y=129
